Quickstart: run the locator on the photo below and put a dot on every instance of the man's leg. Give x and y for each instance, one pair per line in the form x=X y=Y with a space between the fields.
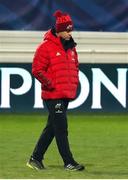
x=44 y=141
x=57 y=109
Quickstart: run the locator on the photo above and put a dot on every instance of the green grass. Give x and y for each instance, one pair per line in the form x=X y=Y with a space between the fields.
x=99 y=142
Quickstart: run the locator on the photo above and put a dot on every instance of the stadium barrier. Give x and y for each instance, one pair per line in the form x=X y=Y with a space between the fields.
x=93 y=47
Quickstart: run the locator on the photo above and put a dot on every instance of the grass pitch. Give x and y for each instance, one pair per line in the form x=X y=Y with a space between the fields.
x=98 y=142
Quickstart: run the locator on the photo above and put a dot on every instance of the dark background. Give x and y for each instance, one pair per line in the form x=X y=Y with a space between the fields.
x=88 y=15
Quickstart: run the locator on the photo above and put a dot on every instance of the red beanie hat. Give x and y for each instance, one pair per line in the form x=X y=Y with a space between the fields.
x=63 y=21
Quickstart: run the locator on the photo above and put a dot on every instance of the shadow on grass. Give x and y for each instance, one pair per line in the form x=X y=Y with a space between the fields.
x=59 y=167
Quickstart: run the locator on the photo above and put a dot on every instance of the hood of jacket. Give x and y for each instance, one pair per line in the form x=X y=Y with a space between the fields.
x=51 y=37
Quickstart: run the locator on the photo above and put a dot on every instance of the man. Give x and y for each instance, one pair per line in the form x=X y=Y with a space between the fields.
x=55 y=65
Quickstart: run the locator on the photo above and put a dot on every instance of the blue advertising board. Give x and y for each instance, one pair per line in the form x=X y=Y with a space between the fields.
x=102 y=88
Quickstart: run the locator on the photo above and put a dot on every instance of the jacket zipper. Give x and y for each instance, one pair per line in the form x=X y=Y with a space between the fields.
x=68 y=67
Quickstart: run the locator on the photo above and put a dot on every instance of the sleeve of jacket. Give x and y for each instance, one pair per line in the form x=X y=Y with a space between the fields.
x=40 y=65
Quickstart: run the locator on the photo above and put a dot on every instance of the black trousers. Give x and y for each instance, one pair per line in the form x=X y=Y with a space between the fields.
x=57 y=127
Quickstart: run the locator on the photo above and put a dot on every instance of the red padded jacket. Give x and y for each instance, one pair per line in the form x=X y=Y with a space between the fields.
x=55 y=68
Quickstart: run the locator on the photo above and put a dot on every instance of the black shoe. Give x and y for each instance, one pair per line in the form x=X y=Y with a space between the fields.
x=74 y=167
x=34 y=164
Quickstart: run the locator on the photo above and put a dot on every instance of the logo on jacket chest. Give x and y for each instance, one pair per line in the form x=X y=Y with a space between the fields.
x=58 y=54
x=71 y=55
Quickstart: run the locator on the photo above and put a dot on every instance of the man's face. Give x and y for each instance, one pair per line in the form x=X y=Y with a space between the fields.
x=65 y=35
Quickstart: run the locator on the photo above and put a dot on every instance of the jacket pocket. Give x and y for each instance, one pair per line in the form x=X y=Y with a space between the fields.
x=49 y=85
